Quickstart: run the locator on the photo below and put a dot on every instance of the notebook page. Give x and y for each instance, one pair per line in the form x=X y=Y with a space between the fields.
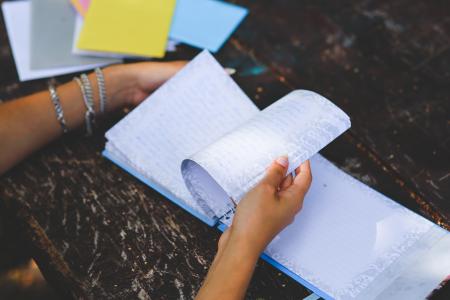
x=190 y=111
x=348 y=235
x=298 y=125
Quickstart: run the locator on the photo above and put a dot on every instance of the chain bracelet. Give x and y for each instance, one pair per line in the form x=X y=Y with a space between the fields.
x=58 y=108
x=101 y=89
x=88 y=101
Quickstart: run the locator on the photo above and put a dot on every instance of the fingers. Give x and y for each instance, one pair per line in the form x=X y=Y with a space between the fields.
x=303 y=179
x=168 y=69
x=287 y=181
x=151 y=75
x=173 y=67
x=276 y=172
x=296 y=192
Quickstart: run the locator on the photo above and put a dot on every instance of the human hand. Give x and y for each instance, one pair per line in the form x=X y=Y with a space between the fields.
x=269 y=207
x=130 y=84
x=260 y=215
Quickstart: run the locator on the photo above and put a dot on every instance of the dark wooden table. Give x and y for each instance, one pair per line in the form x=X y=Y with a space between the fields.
x=97 y=232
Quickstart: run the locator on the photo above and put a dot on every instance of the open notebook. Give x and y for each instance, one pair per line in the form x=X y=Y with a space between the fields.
x=199 y=140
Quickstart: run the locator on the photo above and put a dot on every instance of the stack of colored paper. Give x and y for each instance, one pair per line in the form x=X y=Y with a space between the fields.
x=144 y=28
x=50 y=37
x=40 y=35
x=138 y=27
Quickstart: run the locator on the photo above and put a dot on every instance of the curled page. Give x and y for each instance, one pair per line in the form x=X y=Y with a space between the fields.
x=193 y=109
x=298 y=125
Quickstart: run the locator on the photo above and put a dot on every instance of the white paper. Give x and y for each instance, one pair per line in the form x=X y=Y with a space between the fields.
x=346 y=235
x=194 y=108
x=17 y=20
x=423 y=275
x=298 y=125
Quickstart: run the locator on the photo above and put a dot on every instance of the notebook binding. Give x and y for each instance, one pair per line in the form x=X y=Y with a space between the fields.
x=228 y=214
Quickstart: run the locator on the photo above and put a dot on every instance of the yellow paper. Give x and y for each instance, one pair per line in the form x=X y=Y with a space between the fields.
x=133 y=27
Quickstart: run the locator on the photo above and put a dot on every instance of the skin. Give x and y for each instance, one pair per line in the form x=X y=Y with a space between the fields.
x=270 y=206
x=29 y=123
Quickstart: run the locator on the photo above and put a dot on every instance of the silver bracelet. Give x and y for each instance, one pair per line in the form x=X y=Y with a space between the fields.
x=58 y=108
x=101 y=89
x=90 y=99
x=90 y=113
x=88 y=90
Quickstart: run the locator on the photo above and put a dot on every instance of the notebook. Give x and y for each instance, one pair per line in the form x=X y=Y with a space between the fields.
x=139 y=27
x=199 y=140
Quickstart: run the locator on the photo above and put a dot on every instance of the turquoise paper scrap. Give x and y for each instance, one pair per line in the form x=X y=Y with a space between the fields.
x=205 y=24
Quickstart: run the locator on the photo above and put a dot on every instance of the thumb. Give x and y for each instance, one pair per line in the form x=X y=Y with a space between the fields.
x=276 y=172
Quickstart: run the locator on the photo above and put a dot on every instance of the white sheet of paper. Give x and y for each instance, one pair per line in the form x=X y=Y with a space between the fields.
x=347 y=234
x=194 y=108
x=297 y=125
x=17 y=20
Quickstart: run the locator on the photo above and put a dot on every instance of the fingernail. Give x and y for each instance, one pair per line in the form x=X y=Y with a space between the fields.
x=283 y=161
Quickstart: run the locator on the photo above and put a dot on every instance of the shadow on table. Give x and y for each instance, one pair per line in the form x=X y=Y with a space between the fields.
x=24 y=282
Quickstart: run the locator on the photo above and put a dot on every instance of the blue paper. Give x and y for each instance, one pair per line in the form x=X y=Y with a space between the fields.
x=205 y=24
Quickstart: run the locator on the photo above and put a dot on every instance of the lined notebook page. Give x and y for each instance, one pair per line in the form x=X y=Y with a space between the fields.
x=190 y=111
x=349 y=240
x=298 y=125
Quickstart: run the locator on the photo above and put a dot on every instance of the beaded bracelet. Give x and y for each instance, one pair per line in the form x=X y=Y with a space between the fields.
x=58 y=108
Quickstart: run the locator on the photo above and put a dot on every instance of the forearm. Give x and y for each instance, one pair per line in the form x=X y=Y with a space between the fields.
x=28 y=123
x=230 y=272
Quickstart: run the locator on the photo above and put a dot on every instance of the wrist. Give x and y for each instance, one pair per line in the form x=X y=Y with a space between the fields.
x=240 y=243
x=119 y=84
